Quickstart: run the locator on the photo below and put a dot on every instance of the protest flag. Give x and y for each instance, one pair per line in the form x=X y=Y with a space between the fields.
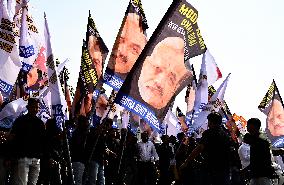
x=97 y=49
x=213 y=71
x=27 y=48
x=162 y=69
x=10 y=64
x=171 y=123
x=201 y=93
x=214 y=104
x=266 y=100
x=225 y=111
x=181 y=119
x=128 y=45
x=58 y=103
x=94 y=53
x=272 y=106
x=190 y=92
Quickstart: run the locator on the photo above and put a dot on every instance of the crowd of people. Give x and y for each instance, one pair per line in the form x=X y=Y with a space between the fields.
x=33 y=152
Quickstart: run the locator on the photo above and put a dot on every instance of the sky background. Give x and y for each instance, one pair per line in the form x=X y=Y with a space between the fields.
x=245 y=37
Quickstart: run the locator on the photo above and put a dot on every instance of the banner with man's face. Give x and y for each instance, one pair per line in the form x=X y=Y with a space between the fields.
x=128 y=45
x=273 y=107
x=94 y=53
x=163 y=69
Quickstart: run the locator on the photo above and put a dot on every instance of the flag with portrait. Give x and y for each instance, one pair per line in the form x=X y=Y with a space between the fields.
x=272 y=106
x=94 y=53
x=128 y=45
x=162 y=69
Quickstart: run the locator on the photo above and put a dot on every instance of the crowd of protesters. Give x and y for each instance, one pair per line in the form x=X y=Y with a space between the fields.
x=32 y=152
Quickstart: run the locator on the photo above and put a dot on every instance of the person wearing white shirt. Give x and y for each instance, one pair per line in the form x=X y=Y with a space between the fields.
x=244 y=152
x=146 y=161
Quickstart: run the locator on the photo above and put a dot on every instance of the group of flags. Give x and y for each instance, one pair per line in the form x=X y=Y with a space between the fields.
x=145 y=74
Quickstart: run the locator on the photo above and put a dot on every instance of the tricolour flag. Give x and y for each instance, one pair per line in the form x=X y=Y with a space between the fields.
x=10 y=64
x=162 y=69
x=272 y=106
x=214 y=104
x=128 y=45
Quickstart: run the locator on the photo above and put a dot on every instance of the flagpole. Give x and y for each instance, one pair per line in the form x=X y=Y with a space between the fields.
x=65 y=140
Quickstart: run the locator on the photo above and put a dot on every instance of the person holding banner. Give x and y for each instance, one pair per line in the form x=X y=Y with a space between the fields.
x=129 y=45
x=275 y=119
x=163 y=72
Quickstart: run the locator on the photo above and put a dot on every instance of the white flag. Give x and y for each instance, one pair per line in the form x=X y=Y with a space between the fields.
x=58 y=102
x=214 y=105
x=171 y=123
x=201 y=96
x=28 y=50
x=213 y=71
x=201 y=93
x=9 y=53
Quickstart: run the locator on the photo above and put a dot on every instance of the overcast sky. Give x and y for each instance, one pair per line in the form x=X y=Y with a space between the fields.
x=245 y=37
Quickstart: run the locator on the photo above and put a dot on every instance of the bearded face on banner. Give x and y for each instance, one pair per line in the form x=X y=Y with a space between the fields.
x=275 y=119
x=162 y=72
x=129 y=45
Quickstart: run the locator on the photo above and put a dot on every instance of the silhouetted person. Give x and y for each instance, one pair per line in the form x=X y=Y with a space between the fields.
x=215 y=145
x=261 y=169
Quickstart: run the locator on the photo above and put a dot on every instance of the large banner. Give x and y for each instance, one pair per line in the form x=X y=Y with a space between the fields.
x=163 y=69
x=94 y=53
x=10 y=63
x=128 y=45
x=272 y=106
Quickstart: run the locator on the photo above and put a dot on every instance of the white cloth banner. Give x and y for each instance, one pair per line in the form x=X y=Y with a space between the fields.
x=213 y=71
x=58 y=102
x=10 y=62
x=172 y=124
x=28 y=50
x=214 y=105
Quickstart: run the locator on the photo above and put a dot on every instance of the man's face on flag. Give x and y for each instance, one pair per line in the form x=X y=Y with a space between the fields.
x=129 y=45
x=96 y=54
x=101 y=105
x=163 y=72
x=275 y=119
